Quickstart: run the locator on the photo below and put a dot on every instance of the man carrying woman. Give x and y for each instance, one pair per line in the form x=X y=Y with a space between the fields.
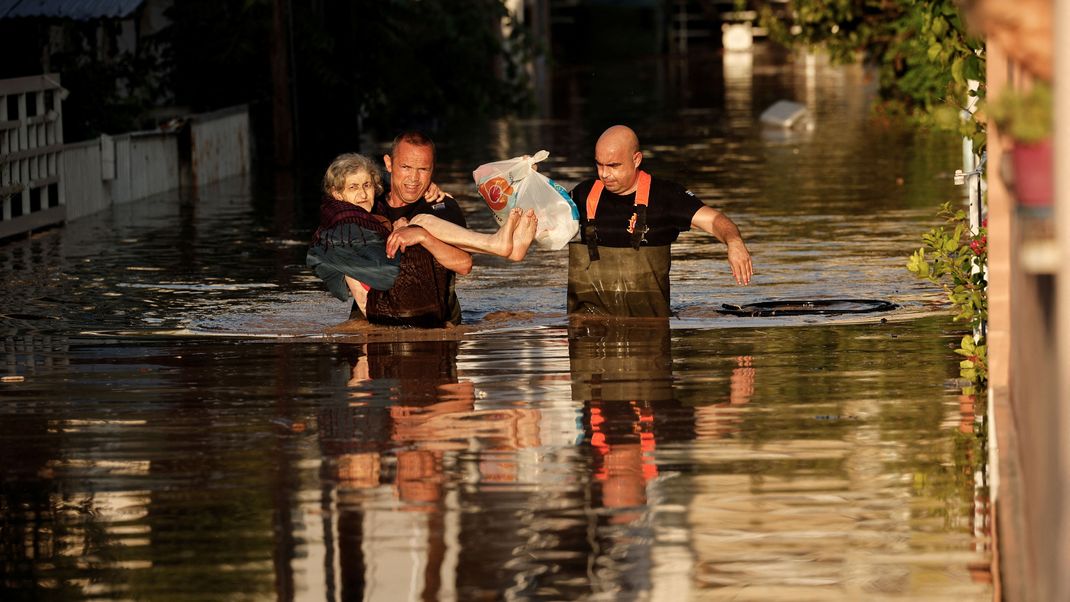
x=355 y=250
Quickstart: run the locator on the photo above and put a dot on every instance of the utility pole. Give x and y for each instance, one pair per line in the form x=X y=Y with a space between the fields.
x=282 y=115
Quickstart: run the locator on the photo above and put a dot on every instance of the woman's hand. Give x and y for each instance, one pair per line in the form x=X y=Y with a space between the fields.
x=435 y=194
x=403 y=238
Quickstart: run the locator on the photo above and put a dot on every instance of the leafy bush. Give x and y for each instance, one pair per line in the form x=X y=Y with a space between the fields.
x=956 y=259
x=1025 y=116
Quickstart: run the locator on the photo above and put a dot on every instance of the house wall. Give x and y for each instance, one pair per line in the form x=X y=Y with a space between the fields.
x=45 y=182
x=1029 y=357
x=220 y=146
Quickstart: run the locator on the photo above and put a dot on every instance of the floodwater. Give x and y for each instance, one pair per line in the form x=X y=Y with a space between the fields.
x=175 y=423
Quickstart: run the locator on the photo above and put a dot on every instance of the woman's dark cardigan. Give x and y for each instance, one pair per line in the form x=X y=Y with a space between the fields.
x=412 y=289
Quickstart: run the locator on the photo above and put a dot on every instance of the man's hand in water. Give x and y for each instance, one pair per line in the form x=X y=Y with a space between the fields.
x=716 y=223
x=435 y=194
x=739 y=260
x=403 y=238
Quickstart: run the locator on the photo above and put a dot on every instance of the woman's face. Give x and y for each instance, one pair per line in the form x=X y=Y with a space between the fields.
x=359 y=189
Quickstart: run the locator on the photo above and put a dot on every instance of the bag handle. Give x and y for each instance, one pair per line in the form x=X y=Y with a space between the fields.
x=525 y=166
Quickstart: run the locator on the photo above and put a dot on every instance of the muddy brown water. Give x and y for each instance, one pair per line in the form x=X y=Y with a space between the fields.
x=176 y=425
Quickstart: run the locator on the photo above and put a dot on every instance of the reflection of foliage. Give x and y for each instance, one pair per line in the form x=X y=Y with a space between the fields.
x=956 y=260
x=923 y=53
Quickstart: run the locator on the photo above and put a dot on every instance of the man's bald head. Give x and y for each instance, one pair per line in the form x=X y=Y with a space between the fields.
x=621 y=136
x=617 y=157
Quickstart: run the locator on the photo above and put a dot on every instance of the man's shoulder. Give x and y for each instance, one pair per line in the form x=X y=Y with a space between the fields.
x=665 y=184
x=448 y=209
x=664 y=188
x=582 y=188
x=447 y=204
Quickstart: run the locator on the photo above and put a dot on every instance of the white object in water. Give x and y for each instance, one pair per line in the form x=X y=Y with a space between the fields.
x=737 y=37
x=784 y=113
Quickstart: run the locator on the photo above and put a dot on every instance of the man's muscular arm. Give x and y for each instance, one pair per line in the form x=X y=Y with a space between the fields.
x=716 y=223
x=449 y=256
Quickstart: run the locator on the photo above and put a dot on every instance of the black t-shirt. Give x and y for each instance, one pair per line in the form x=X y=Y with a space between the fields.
x=669 y=213
x=446 y=209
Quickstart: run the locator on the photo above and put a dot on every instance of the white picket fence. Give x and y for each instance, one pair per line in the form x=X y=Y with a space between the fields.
x=44 y=181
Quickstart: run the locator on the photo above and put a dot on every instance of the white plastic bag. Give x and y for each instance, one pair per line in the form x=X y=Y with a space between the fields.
x=515 y=183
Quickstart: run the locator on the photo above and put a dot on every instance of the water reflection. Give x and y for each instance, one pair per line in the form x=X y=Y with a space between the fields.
x=408 y=436
x=622 y=374
x=609 y=460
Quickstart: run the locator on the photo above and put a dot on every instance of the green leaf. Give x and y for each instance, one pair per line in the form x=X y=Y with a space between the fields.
x=939 y=26
x=974 y=68
x=958 y=71
x=967 y=343
x=934 y=51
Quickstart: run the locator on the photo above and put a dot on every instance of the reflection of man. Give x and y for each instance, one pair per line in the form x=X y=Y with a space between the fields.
x=622 y=372
x=408 y=428
x=431 y=412
x=620 y=266
x=722 y=419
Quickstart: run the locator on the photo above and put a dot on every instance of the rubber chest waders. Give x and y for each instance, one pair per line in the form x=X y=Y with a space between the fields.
x=619 y=281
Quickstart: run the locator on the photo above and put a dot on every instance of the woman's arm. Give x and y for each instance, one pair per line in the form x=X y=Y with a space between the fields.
x=512 y=239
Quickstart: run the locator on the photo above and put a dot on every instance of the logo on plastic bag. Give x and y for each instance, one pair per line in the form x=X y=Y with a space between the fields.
x=568 y=198
x=496 y=192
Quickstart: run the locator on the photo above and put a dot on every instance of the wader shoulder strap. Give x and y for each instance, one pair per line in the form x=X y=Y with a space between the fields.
x=642 y=194
x=636 y=225
x=590 y=233
x=592 y=199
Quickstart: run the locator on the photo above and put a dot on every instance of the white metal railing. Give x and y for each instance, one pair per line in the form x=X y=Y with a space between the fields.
x=31 y=141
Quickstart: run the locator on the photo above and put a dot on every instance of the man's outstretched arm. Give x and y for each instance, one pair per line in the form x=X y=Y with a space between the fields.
x=716 y=223
x=449 y=256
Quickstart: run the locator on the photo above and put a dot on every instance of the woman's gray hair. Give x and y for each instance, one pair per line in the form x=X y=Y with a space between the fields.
x=347 y=164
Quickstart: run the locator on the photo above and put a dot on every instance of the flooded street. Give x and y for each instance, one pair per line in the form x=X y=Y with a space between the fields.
x=184 y=429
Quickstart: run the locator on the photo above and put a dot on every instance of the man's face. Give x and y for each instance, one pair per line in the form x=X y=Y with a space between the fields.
x=618 y=166
x=410 y=171
x=359 y=189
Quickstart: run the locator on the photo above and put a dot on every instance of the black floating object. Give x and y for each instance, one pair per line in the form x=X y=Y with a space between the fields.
x=806 y=307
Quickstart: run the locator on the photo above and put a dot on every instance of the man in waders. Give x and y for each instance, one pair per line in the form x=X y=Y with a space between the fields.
x=620 y=265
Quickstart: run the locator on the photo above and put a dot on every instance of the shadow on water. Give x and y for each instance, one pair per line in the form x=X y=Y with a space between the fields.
x=176 y=425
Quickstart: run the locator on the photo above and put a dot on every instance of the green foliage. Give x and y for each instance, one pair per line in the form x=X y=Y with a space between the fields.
x=956 y=259
x=923 y=53
x=110 y=91
x=437 y=60
x=218 y=52
x=1025 y=116
x=355 y=65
